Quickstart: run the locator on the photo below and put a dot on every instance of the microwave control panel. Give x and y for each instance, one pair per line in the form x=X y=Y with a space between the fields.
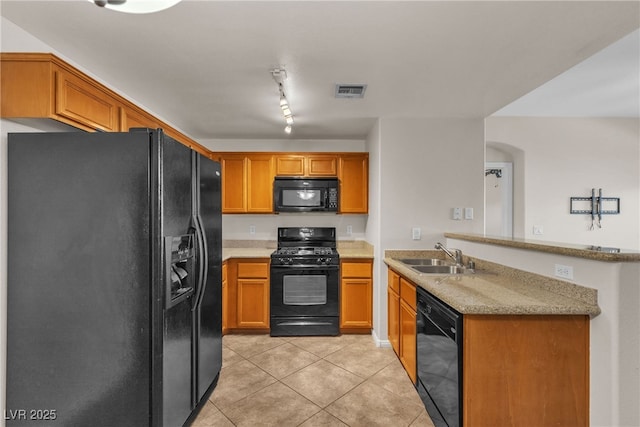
x=333 y=198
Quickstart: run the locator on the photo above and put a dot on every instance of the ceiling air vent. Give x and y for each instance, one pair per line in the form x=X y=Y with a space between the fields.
x=350 y=91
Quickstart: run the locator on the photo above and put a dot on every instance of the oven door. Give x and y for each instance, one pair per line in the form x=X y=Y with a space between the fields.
x=309 y=291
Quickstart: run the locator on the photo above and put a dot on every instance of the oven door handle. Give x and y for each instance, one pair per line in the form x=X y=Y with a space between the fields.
x=307 y=267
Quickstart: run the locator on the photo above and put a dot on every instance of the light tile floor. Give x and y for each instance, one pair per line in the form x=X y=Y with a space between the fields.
x=311 y=381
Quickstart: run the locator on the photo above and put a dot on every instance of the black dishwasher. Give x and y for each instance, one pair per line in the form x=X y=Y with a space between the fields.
x=439 y=360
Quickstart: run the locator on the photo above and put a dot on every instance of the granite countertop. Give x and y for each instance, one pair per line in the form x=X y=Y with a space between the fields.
x=496 y=289
x=264 y=249
x=246 y=253
x=597 y=253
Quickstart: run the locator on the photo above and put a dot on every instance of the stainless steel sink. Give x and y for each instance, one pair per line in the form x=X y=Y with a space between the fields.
x=424 y=261
x=440 y=269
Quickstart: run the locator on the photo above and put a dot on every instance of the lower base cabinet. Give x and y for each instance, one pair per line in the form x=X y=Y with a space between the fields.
x=356 y=295
x=401 y=295
x=225 y=299
x=246 y=304
x=526 y=370
x=393 y=306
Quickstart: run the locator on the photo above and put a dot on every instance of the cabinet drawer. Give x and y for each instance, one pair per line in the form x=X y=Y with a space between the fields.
x=394 y=281
x=258 y=270
x=356 y=269
x=408 y=293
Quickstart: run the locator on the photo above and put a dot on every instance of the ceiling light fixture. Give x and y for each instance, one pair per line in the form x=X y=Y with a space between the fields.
x=280 y=75
x=136 y=6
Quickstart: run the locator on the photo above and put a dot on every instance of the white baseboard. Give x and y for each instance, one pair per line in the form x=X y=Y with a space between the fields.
x=378 y=341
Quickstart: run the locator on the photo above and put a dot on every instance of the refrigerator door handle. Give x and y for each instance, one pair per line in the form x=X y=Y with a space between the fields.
x=199 y=261
x=204 y=262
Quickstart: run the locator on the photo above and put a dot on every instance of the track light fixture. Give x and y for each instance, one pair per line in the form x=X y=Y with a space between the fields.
x=280 y=75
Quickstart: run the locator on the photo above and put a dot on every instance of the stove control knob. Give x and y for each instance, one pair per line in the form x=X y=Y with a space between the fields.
x=289 y=261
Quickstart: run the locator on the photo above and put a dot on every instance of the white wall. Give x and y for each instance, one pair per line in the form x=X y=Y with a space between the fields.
x=426 y=167
x=614 y=334
x=373 y=230
x=567 y=157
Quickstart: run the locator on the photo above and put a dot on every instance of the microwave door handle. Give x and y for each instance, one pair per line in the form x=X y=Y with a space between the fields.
x=326 y=198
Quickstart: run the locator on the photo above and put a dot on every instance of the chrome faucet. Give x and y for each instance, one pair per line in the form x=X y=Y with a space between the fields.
x=458 y=253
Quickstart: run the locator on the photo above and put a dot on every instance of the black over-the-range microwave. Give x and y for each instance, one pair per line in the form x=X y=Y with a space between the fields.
x=296 y=194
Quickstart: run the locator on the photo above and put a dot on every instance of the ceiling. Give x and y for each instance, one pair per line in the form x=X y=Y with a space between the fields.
x=204 y=65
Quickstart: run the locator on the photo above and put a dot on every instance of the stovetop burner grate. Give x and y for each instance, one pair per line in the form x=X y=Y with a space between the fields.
x=305 y=251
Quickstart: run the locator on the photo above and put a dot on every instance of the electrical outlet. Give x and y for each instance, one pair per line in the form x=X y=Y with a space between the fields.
x=538 y=230
x=468 y=213
x=415 y=233
x=252 y=229
x=564 y=271
x=456 y=214
x=349 y=230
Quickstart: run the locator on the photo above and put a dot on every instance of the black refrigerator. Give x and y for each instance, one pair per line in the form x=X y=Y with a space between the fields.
x=114 y=279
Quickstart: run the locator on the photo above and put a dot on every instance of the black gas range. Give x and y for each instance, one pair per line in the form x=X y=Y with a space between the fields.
x=305 y=280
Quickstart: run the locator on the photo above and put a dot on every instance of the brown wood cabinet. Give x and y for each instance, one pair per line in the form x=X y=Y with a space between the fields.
x=42 y=86
x=408 y=327
x=393 y=306
x=306 y=164
x=517 y=369
x=225 y=299
x=356 y=293
x=247 y=302
x=526 y=370
x=247 y=182
x=401 y=311
x=353 y=173
x=130 y=118
x=81 y=101
x=249 y=189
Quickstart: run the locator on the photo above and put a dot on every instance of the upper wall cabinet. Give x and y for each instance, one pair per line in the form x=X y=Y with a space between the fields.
x=247 y=183
x=353 y=173
x=247 y=178
x=80 y=101
x=306 y=165
x=41 y=85
x=130 y=118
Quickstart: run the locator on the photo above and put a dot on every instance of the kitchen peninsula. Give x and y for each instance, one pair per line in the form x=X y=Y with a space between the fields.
x=614 y=334
x=523 y=340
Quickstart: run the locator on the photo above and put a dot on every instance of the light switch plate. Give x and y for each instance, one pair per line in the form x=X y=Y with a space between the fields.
x=415 y=233
x=456 y=214
x=468 y=213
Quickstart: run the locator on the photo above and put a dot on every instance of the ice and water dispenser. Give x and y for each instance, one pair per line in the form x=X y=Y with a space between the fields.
x=180 y=267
